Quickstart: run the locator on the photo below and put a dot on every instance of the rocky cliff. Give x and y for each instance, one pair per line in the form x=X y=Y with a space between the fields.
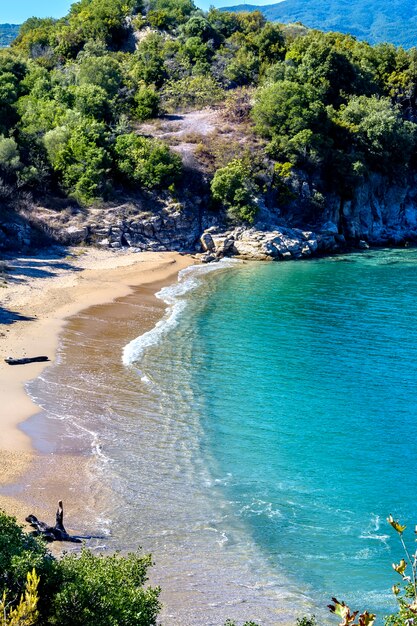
x=380 y=213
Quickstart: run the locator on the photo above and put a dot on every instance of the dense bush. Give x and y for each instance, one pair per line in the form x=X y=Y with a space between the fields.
x=198 y=91
x=146 y=162
x=337 y=108
x=146 y=104
x=80 y=157
x=77 y=590
x=105 y=590
x=232 y=186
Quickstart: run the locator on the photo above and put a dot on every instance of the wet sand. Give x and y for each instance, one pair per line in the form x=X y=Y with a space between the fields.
x=41 y=295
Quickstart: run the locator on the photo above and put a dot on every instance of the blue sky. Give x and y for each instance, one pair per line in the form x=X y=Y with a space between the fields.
x=17 y=11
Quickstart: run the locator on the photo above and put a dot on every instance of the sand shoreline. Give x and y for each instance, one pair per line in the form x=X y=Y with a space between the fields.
x=42 y=293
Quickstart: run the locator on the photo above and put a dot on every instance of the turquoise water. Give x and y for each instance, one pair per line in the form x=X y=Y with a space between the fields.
x=308 y=373
x=257 y=439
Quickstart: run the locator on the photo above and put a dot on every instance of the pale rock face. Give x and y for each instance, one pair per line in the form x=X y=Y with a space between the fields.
x=381 y=212
x=262 y=245
x=207 y=242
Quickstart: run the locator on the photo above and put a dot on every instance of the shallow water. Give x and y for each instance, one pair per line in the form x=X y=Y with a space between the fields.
x=257 y=440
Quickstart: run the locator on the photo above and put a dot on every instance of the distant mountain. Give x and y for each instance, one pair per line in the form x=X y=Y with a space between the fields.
x=8 y=32
x=376 y=21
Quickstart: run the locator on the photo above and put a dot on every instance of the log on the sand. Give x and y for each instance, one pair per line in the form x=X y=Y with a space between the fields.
x=26 y=360
x=52 y=533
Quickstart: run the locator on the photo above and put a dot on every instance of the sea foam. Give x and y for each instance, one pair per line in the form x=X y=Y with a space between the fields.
x=189 y=279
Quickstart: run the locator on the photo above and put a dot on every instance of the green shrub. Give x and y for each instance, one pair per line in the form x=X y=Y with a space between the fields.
x=146 y=162
x=9 y=155
x=80 y=158
x=378 y=132
x=77 y=590
x=20 y=553
x=232 y=187
x=104 y=590
x=146 y=104
x=91 y=101
x=191 y=92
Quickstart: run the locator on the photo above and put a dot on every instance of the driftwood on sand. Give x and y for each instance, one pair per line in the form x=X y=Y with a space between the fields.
x=26 y=360
x=52 y=533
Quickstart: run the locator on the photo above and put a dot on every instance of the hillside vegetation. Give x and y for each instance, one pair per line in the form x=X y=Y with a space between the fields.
x=376 y=21
x=324 y=107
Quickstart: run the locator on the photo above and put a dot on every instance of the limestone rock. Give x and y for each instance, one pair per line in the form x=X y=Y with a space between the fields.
x=207 y=242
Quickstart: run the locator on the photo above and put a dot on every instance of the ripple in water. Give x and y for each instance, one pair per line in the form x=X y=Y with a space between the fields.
x=261 y=436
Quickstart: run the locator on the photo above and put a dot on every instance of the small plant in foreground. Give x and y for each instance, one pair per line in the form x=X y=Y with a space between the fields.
x=26 y=612
x=405 y=594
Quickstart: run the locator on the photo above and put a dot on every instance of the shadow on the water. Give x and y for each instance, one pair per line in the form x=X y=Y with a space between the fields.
x=10 y=317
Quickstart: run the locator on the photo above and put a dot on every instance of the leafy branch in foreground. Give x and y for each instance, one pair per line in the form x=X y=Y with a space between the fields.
x=26 y=612
x=405 y=594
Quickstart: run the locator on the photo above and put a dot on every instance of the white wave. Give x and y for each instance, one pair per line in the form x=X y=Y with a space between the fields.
x=223 y=539
x=96 y=447
x=188 y=280
x=369 y=535
x=372 y=531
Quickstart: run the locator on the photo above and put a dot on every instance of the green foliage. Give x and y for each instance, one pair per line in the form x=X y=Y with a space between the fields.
x=281 y=183
x=38 y=116
x=147 y=104
x=200 y=27
x=233 y=188
x=9 y=155
x=91 y=101
x=35 y=37
x=26 y=612
x=243 y=67
x=80 y=157
x=77 y=590
x=104 y=72
x=21 y=553
x=287 y=108
x=166 y=14
x=378 y=132
x=146 y=162
x=149 y=66
x=105 y=590
x=12 y=72
x=195 y=92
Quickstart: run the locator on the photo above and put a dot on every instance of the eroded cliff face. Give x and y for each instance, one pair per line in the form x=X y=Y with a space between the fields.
x=381 y=212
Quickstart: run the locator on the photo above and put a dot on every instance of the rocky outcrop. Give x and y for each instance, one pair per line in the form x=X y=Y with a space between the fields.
x=261 y=243
x=382 y=212
x=165 y=226
x=15 y=233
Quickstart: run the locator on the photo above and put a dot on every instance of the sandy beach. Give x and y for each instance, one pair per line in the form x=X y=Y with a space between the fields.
x=41 y=293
